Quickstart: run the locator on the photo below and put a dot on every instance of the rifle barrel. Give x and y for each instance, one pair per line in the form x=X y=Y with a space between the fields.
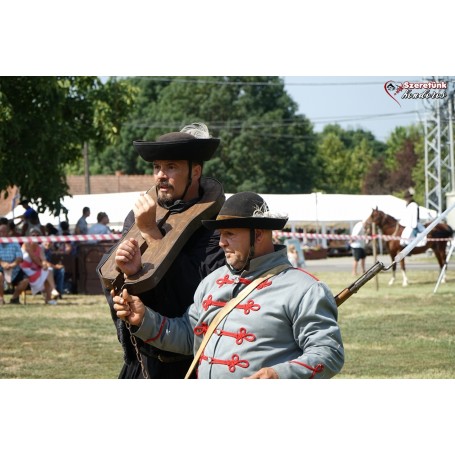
x=354 y=287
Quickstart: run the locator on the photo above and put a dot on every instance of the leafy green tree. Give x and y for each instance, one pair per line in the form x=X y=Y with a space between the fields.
x=44 y=122
x=265 y=145
x=345 y=157
x=402 y=165
x=121 y=155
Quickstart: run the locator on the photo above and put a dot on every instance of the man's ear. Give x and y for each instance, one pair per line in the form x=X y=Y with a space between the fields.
x=196 y=171
x=259 y=235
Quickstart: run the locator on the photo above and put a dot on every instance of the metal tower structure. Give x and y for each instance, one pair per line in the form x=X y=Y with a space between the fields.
x=439 y=147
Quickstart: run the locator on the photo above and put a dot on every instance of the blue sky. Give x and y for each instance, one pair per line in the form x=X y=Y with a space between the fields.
x=353 y=102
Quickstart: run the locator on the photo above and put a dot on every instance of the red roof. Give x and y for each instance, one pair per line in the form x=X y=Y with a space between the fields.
x=99 y=184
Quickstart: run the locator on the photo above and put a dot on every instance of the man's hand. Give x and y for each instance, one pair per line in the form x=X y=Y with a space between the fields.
x=128 y=257
x=145 y=217
x=129 y=307
x=264 y=373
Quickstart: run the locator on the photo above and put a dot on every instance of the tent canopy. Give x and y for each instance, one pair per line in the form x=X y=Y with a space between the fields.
x=303 y=210
x=336 y=209
x=116 y=205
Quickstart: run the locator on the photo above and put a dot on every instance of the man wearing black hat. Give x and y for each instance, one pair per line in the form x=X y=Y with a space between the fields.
x=271 y=320
x=177 y=160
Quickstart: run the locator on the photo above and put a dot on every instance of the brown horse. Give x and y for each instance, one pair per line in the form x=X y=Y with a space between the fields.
x=390 y=226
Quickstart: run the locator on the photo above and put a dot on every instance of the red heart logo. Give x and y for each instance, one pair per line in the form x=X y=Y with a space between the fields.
x=392 y=89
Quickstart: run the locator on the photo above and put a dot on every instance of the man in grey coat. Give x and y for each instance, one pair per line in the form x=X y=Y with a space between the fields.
x=285 y=328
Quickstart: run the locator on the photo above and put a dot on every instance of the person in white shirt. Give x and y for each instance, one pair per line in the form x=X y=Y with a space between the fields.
x=410 y=218
x=101 y=227
x=358 y=248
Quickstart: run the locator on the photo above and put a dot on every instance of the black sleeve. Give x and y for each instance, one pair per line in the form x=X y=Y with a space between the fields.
x=122 y=332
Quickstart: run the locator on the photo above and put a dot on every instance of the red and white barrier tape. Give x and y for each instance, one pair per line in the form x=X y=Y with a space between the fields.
x=59 y=238
x=300 y=235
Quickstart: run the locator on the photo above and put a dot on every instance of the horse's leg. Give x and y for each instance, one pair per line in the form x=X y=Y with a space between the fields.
x=440 y=253
x=403 y=272
x=394 y=268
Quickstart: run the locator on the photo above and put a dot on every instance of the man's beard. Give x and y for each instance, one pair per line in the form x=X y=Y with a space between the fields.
x=167 y=198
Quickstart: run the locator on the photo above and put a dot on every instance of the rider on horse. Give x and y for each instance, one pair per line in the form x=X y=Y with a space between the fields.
x=410 y=219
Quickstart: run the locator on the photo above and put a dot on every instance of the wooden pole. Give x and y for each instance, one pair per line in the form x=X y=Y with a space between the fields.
x=373 y=230
x=86 y=168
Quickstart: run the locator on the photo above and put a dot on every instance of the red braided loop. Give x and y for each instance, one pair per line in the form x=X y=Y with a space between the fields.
x=231 y=363
x=201 y=329
x=208 y=302
x=317 y=369
x=239 y=336
x=225 y=280
x=249 y=306
x=264 y=284
x=202 y=357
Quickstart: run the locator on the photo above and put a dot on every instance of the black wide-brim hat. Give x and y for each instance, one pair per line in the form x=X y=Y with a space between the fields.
x=177 y=146
x=245 y=210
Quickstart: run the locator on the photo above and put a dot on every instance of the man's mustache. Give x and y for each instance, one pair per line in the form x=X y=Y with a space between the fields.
x=165 y=185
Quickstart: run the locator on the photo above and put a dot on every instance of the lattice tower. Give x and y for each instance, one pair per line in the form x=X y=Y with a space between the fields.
x=439 y=149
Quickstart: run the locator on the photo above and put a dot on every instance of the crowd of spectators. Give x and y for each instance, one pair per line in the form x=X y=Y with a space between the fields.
x=35 y=265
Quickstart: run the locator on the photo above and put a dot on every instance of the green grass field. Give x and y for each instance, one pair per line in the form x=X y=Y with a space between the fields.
x=390 y=332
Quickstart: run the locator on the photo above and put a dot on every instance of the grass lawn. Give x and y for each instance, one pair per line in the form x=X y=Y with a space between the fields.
x=395 y=331
x=74 y=339
x=389 y=332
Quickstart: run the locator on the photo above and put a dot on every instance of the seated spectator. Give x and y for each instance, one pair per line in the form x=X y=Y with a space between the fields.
x=57 y=268
x=10 y=271
x=35 y=266
x=64 y=228
x=51 y=229
x=13 y=229
x=66 y=247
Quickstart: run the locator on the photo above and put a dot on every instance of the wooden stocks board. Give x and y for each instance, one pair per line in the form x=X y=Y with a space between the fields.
x=158 y=257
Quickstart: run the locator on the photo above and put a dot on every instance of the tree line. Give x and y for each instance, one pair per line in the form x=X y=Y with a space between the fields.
x=266 y=145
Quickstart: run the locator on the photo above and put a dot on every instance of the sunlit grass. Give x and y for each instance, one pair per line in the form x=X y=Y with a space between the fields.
x=388 y=332
x=74 y=339
x=396 y=331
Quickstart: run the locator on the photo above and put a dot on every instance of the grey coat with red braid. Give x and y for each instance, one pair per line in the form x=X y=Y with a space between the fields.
x=288 y=323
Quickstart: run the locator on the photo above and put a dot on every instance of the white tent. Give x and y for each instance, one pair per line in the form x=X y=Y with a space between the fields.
x=335 y=209
x=315 y=210
x=116 y=205
x=324 y=211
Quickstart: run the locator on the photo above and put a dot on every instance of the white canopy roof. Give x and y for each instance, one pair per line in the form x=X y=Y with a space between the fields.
x=302 y=209
x=116 y=205
x=336 y=209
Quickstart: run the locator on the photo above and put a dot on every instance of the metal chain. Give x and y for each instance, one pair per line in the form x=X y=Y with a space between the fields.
x=138 y=354
x=134 y=343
